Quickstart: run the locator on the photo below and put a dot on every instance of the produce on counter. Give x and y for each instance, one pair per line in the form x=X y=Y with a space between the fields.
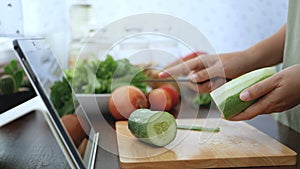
x=61 y=97
x=153 y=74
x=174 y=93
x=159 y=100
x=227 y=97
x=74 y=128
x=126 y=99
x=153 y=127
x=95 y=76
x=186 y=58
x=203 y=99
x=163 y=98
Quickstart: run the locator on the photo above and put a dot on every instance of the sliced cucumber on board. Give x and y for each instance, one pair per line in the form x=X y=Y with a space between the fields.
x=153 y=127
x=227 y=97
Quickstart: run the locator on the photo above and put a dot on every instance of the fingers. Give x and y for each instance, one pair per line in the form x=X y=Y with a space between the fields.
x=207 y=86
x=185 y=58
x=217 y=82
x=258 y=90
x=261 y=91
x=205 y=74
x=247 y=114
x=183 y=68
x=198 y=69
x=201 y=88
x=200 y=76
x=260 y=107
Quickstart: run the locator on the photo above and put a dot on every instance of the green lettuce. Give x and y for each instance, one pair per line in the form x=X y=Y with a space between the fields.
x=203 y=99
x=95 y=76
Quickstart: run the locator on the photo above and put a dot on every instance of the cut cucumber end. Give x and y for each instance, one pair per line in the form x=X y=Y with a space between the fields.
x=153 y=127
x=161 y=129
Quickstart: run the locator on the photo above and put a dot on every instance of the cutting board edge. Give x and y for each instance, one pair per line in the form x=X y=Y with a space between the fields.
x=288 y=160
x=213 y=163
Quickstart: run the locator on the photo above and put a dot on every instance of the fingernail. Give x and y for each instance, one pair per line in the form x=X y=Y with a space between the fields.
x=162 y=74
x=244 y=96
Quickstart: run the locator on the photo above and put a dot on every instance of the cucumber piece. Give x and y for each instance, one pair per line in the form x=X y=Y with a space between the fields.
x=227 y=97
x=199 y=128
x=153 y=127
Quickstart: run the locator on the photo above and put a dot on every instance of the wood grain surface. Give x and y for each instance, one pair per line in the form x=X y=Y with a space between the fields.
x=238 y=144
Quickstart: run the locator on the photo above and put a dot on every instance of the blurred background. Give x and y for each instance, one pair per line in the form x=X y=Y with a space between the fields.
x=229 y=25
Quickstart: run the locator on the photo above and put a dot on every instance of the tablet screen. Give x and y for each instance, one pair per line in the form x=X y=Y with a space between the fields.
x=15 y=91
x=50 y=82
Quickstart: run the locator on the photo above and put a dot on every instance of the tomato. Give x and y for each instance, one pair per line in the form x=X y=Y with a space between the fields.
x=175 y=96
x=74 y=128
x=160 y=100
x=124 y=100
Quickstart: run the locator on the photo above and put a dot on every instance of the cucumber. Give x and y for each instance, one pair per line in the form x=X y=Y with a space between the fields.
x=227 y=97
x=153 y=127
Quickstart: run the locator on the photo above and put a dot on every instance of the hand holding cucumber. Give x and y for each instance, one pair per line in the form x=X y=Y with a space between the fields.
x=276 y=94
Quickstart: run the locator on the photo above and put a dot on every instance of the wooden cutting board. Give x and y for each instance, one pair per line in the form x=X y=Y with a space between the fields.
x=238 y=144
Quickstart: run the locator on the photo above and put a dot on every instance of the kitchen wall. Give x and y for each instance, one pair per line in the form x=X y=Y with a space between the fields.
x=229 y=25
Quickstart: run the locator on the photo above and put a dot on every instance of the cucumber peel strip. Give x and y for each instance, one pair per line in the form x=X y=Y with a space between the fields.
x=198 y=128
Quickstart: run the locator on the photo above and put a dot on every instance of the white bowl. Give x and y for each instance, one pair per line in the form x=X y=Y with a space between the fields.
x=94 y=103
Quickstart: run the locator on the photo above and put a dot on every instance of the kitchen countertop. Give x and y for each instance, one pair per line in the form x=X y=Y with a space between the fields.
x=29 y=143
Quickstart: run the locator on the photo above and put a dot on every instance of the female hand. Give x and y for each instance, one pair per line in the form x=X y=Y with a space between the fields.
x=266 y=53
x=278 y=93
x=211 y=70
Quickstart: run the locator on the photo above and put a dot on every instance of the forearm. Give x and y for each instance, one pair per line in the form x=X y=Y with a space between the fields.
x=231 y=65
x=268 y=52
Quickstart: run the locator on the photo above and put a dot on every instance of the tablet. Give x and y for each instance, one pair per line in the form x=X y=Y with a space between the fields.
x=27 y=105
x=15 y=105
x=43 y=70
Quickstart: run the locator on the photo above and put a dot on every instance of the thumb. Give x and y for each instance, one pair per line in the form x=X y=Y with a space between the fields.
x=259 y=89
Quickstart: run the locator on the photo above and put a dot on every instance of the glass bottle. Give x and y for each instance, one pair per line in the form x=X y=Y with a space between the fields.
x=82 y=20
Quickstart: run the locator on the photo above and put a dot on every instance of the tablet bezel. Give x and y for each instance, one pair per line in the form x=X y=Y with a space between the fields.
x=70 y=150
x=18 y=111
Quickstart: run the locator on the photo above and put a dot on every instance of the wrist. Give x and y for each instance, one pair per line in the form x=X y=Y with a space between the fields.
x=237 y=63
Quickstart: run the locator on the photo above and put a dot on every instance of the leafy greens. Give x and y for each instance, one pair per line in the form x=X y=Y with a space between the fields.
x=203 y=99
x=95 y=76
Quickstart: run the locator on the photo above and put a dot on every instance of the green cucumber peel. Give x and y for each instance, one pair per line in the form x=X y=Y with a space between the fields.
x=198 y=128
x=227 y=97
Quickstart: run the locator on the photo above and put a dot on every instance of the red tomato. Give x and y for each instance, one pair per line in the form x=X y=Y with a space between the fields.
x=175 y=97
x=160 y=100
x=74 y=128
x=124 y=100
